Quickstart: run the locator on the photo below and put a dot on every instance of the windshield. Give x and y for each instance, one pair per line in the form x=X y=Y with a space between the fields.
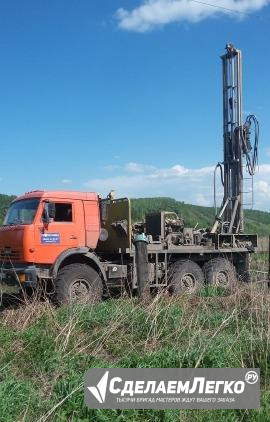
x=22 y=212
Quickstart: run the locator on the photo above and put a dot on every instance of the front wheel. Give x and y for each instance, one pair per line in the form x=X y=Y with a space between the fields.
x=78 y=283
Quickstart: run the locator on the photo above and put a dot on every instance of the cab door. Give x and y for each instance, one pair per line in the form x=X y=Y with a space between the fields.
x=63 y=232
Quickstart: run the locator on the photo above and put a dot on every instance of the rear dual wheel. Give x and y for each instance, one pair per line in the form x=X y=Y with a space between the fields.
x=220 y=272
x=185 y=277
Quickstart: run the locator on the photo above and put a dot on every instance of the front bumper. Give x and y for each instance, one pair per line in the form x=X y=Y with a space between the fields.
x=16 y=277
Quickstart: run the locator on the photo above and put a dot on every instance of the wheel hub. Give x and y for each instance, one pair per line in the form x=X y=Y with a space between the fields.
x=188 y=282
x=79 y=289
x=222 y=279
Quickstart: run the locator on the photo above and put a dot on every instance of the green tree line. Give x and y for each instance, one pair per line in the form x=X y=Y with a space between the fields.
x=5 y=200
x=255 y=221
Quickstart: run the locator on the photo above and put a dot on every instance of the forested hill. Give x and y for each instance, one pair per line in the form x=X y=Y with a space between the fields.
x=4 y=203
x=256 y=221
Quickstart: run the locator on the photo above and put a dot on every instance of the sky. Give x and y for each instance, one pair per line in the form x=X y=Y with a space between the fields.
x=126 y=94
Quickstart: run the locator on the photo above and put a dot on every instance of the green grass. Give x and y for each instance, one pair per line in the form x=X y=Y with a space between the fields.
x=44 y=352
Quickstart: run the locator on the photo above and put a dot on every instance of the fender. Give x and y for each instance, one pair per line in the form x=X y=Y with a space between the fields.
x=77 y=251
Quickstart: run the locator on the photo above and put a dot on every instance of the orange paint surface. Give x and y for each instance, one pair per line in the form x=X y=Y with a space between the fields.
x=26 y=242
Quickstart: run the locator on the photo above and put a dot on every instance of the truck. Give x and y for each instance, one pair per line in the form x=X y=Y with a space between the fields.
x=84 y=246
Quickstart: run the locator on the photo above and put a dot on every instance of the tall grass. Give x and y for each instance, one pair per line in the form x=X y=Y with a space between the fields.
x=44 y=352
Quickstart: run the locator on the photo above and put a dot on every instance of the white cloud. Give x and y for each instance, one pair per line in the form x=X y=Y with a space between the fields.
x=138 y=168
x=111 y=167
x=262 y=187
x=201 y=199
x=66 y=181
x=267 y=152
x=185 y=184
x=137 y=180
x=153 y=13
x=264 y=169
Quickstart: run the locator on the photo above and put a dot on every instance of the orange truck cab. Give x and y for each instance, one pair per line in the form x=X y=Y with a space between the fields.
x=46 y=231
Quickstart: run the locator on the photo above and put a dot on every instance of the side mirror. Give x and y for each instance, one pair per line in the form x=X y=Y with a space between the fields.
x=49 y=212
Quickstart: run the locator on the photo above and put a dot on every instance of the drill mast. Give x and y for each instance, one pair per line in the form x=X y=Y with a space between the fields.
x=236 y=146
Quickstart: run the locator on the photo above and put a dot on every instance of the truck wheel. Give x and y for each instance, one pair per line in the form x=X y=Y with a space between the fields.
x=78 y=283
x=219 y=272
x=185 y=276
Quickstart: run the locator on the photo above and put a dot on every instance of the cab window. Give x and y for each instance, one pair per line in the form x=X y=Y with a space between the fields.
x=63 y=212
x=22 y=212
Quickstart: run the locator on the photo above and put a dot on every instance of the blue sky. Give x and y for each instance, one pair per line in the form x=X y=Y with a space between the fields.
x=126 y=95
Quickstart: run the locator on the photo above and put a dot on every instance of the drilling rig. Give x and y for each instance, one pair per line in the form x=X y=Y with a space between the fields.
x=83 y=246
x=240 y=157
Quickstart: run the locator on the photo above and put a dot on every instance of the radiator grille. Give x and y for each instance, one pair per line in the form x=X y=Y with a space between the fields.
x=8 y=254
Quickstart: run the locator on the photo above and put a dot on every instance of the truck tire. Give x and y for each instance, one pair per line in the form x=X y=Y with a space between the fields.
x=185 y=276
x=219 y=272
x=78 y=283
